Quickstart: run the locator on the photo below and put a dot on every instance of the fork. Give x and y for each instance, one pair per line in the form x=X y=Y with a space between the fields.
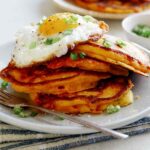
x=10 y=100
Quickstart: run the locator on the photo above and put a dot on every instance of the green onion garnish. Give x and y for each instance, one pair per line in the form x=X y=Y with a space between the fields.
x=106 y=43
x=142 y=30
x=68 y=32
x=56 y=39
x=24 y=114
x=51 y=41
x=73 y=56
x=20 y=112
x=33 y=114
x=17 y=110
x=82 y=55
x=120 y=43
x=39 y=24
x=71 y=20
x=32 y=45
x=112 y=109
x=88 y=18
x=4 y=85
x=59 y=118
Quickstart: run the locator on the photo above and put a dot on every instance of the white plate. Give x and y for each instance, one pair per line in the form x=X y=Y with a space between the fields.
x=127 y=115
x=67 y=6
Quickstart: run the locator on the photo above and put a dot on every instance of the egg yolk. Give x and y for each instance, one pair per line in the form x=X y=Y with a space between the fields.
x=58 y=23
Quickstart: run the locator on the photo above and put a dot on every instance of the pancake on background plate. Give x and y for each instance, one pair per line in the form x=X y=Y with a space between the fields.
x=114 y=6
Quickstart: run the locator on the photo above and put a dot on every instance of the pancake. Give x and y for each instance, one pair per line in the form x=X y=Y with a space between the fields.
x=87 y=64
x=109 y=91
x=82 y=81
x=61 y=68
x=37 y=74
x=125 y=54
x=114 y=6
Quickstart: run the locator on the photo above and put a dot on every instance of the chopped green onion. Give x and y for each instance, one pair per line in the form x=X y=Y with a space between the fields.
x=33 y=113
x=68 y=32
x=142 y=30
x=65 y=20
x=17 y=110
x=51 y=41
x=20 y=112
x=71 y=20
x=74 y=18
x=106 y=43
x=73 y=56
x=112 y=109
x=88 y=18
x=82 y=55
x=24 y=114
x=39 y=24
x=4 y=85
x=121 y=43
x=56 y=39
x=59 y=118
x=32 y=45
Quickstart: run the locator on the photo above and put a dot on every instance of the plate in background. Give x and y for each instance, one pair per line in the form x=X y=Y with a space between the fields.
x=68 y=6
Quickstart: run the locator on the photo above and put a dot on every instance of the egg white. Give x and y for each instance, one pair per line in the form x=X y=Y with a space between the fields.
x=24 y=56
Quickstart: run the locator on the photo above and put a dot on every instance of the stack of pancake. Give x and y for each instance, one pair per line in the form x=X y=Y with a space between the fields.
x=87 y=79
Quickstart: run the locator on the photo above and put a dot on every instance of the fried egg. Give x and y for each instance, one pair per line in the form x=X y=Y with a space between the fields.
x=52 y=36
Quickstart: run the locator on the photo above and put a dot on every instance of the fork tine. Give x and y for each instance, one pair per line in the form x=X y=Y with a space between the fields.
x=6 y=93
x=4 y=98
x=10 y=98
x=3 y=95
x=6 y=103
x=11 y=102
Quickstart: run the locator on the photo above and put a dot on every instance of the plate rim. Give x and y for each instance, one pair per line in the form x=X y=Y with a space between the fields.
x=47 y=128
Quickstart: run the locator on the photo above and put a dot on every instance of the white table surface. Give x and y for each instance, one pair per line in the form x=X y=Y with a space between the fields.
x=16 y=13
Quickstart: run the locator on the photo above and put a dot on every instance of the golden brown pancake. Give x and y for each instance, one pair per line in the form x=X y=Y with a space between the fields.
x=109 y=91
x=114 y=6
x=37 y=74
x=107 y=49
x=82 y=81
x=87 y=64
x=61 y=68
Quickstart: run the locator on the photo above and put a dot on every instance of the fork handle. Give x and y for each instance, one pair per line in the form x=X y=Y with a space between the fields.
x=85 y=123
